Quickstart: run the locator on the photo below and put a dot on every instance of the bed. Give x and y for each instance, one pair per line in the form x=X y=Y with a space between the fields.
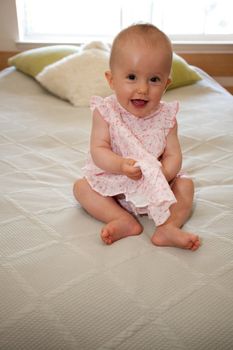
x=61 y=287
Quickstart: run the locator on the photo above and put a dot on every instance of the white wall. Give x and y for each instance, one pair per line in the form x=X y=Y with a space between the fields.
x=8 y=25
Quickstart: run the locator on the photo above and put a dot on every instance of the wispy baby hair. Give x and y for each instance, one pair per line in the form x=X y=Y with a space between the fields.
x=150 y=34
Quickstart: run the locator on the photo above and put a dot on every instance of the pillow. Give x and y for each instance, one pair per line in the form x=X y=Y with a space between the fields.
x=77 y=77
x=97 y=45
x=32 y=62
x=182 y=73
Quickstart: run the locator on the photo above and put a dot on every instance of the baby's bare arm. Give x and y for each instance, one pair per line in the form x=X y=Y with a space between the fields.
x=172 y=158
x=102 y=154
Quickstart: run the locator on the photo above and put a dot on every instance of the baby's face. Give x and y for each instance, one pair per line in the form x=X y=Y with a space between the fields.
x=139 y=78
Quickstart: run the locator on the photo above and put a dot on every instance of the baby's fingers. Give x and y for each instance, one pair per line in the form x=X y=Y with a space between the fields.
x=138 y=171
x=136 y=174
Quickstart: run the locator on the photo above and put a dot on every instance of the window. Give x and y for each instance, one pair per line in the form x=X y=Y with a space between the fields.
x=78 y=21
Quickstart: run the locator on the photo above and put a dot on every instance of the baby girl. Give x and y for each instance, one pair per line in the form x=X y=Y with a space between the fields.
x=134 y=165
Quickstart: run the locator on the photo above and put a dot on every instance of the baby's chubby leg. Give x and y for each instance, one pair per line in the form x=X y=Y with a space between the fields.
x=119 y=223
x=170 y=233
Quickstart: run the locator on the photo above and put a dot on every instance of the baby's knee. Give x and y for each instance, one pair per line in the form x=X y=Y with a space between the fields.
x=189 y=186
x=79 y=188
x=185 y=184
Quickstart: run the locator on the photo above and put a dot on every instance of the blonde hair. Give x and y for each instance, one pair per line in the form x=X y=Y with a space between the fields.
x=147 y=32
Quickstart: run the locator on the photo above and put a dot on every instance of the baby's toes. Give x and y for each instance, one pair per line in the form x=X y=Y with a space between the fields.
x=106 y=237
x=196 y=243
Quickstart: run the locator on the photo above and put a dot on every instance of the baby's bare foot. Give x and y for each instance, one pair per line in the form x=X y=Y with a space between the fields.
x=120 y=228
x=171 y=236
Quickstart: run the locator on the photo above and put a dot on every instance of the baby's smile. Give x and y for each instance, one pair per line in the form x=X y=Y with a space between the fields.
x=139 y=102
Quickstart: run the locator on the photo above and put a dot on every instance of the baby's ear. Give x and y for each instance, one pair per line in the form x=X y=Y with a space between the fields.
x=169 y=81
x=108 y=76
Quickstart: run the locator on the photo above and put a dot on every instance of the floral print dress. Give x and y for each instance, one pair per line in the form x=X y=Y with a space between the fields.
x=142 y=139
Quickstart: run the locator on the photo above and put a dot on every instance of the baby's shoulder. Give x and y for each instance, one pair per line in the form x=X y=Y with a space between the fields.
x=168 y=113
x=105 y=105
x=169 y=108
x=97 y=101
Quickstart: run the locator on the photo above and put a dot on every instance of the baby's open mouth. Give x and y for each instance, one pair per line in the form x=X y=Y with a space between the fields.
x=139 y=102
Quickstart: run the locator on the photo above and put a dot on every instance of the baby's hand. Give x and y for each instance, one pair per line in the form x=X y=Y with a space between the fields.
x=128 y=169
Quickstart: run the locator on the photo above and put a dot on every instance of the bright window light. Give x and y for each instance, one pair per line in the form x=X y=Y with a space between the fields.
x=79 y=21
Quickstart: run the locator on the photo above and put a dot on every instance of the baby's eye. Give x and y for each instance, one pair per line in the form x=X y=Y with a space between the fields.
x=131 y=76
x=155 y=80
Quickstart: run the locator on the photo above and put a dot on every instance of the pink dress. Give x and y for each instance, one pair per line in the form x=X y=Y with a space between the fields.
x=142 y=139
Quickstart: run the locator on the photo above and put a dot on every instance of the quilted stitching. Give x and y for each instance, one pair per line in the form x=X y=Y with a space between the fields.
x=61 y=288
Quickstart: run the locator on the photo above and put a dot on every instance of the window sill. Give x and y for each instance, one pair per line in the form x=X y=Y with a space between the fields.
x=178 y=46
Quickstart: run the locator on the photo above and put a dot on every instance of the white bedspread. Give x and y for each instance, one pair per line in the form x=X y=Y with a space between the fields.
x=60 y=286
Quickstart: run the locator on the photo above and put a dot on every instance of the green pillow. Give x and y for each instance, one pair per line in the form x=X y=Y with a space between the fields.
x=182 y=73
x=33 y=61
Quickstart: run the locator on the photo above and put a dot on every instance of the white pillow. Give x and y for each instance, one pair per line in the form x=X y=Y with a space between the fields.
x=79 y=76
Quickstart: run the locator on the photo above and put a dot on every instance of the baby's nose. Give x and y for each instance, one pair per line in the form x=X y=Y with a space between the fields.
x=142 y=89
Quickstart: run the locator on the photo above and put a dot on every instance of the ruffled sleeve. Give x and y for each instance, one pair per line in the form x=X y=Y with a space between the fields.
x=104 y=106
x=170 y=111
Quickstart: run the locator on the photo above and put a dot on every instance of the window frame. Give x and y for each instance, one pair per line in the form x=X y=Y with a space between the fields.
x=184 y=43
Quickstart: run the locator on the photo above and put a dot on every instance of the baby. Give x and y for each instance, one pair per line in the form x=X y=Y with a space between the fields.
x=135 y=157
